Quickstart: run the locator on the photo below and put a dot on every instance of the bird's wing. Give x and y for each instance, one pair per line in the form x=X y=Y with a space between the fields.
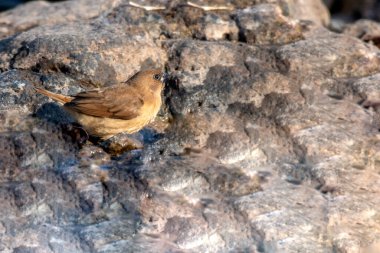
x=120 y=102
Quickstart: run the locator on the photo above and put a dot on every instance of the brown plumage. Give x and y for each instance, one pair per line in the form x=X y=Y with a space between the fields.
x=125 y=107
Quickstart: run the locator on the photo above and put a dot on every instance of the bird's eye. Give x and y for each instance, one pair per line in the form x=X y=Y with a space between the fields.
x=157 y=76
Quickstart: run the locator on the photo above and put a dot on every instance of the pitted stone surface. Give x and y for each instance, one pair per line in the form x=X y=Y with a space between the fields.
x=268 y=140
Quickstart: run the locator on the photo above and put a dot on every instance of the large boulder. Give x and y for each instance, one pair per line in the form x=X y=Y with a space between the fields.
x=268 y=139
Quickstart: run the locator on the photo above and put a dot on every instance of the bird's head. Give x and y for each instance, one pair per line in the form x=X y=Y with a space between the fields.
x=153 y=80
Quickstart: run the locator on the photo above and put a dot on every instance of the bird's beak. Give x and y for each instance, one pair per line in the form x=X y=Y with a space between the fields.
x=164 y=78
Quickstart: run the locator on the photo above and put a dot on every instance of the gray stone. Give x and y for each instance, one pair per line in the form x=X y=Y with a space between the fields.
x=36 y=13
x=268 y=140
x=265 y=24
x=364 y=29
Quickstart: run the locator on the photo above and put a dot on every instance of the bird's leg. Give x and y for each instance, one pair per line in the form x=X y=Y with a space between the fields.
x=120 y=144
x=210 y=8
x=87 y=136
x=146 y=7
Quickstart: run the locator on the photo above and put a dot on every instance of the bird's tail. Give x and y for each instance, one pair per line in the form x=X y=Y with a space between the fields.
x=57 y=97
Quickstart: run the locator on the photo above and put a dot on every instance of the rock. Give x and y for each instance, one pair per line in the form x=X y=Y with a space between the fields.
x=367 y=30
x=364 y=58
x=351 y=10
x=212 y=27
x=265 y=24
x=367 y=87
x=268 y=140
x=315 y=11
x=87 y=54
x=292 y=214
x=37 y=13
x=363 y=29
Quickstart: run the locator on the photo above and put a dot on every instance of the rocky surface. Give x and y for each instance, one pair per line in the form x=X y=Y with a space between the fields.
x=268 y=140
x=350 y=10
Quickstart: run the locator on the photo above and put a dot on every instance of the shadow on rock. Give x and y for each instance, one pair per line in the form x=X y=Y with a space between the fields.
x=52 y=112
x=55 y=114
x=115 y=146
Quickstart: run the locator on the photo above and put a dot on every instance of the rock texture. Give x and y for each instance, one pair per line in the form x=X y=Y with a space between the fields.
x=350 y=10
x=268 y=140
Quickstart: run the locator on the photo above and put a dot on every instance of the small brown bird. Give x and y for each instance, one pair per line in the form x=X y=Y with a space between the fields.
x=125 y=107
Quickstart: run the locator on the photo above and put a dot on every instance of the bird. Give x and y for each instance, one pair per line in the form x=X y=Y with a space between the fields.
x=123 y=107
